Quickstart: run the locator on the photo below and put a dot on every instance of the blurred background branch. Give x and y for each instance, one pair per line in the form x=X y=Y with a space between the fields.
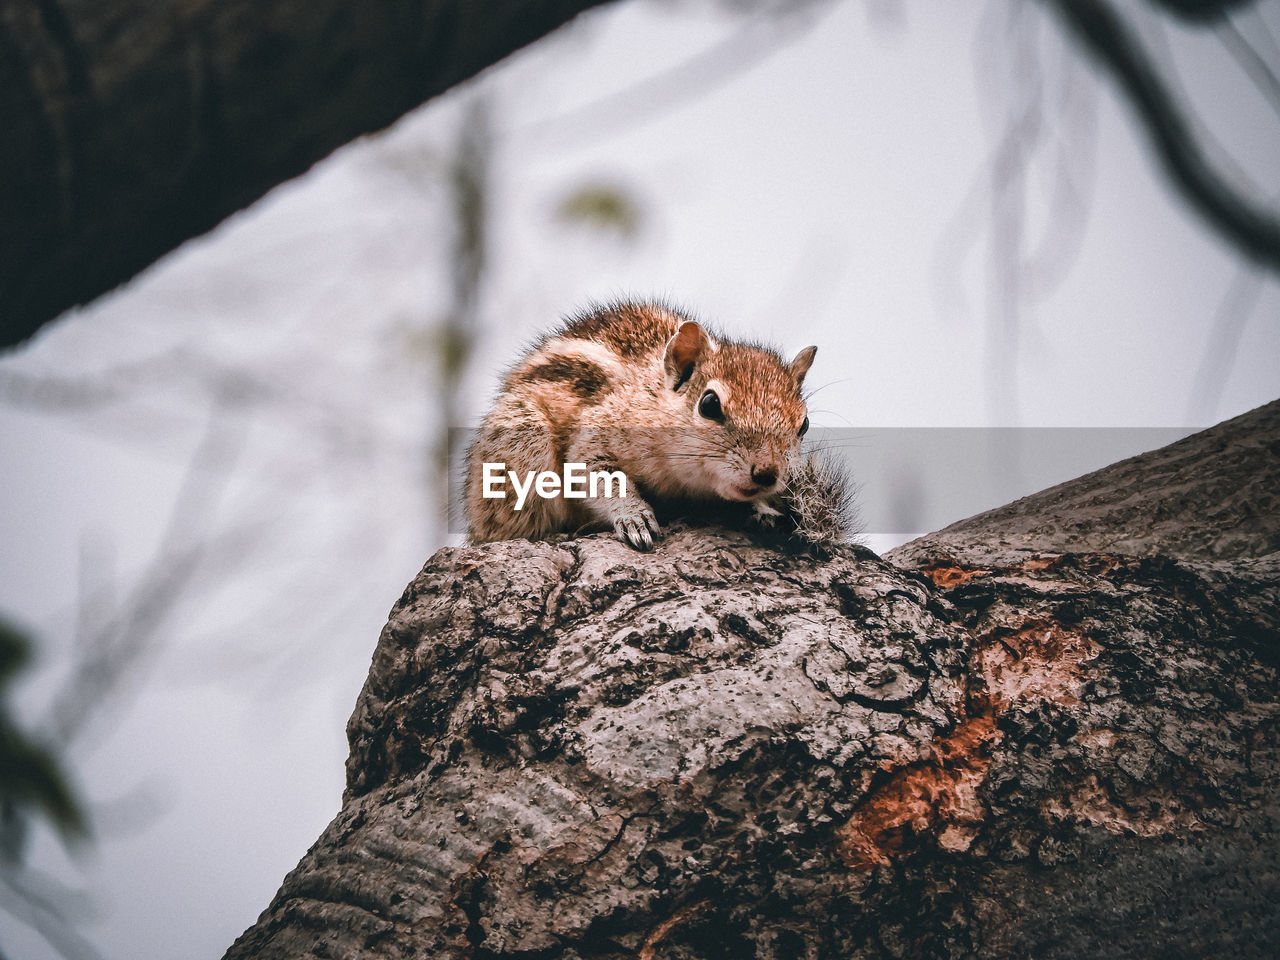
x=133 y=127
x=1246 y=223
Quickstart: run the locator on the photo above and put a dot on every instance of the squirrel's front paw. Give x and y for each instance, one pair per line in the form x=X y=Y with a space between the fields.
x=765 y=513
x=636 y=525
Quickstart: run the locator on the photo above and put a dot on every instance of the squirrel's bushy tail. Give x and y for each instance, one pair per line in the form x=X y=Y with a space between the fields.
x=821 y=499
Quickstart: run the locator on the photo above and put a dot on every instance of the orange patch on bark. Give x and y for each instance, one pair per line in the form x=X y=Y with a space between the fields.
x=947 y=577
x=938 y=796
x=1090 y=801
x=1097 y=564
x=1039 y=563
x=1040 y=659
x=648 y=949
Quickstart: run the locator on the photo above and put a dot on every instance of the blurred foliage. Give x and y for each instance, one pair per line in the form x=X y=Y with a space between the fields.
x=32 y=783
x=602 y=207
x=452 y=348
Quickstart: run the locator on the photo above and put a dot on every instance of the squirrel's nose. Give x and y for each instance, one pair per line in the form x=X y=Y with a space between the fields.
x=764 y=476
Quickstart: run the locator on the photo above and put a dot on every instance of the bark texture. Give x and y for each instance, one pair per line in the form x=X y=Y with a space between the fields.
x=1051 y=731
x=132 y=125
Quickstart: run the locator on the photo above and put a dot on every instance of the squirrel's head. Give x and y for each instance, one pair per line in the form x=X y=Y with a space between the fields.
x=742 y=413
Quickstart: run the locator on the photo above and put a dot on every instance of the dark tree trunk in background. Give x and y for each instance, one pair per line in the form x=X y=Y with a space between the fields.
x=1049 y=731
x=129 y=126
x=132 y=125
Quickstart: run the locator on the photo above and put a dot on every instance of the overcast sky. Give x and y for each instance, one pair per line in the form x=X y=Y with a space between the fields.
x=825 y=179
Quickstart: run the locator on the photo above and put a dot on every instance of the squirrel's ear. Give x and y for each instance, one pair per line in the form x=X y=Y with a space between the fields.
x=686 y=348
x=801 y=364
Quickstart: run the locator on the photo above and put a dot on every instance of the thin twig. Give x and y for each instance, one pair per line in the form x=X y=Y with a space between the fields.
x=1251 y=62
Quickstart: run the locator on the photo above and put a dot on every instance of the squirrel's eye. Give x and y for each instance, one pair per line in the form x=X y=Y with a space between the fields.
x=709 y=406
x=804 y=428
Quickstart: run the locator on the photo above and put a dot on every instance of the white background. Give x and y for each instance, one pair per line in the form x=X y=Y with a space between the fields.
x=826 y=178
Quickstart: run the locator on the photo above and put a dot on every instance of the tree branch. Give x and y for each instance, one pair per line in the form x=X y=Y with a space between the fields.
x=1201 y=10
x=1253 y=232
x=1051 y=731
x=130 y=126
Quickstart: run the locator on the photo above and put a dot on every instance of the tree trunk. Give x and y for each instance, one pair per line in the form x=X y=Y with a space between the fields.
x=132 y=125
x=1050 y=731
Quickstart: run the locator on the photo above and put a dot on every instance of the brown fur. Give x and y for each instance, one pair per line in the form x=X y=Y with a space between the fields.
x=582 y=378
x=618 y=388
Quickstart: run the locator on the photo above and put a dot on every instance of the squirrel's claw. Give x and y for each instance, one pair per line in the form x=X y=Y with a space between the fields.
x=764 y=513
x=635 y=534
x=640 y=529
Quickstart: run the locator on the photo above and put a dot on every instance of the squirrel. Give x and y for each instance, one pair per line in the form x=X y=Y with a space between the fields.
x=663 y=409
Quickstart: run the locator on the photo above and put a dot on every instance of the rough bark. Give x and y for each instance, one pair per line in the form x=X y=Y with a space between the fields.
x=132 y=125
x=1051 y=731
